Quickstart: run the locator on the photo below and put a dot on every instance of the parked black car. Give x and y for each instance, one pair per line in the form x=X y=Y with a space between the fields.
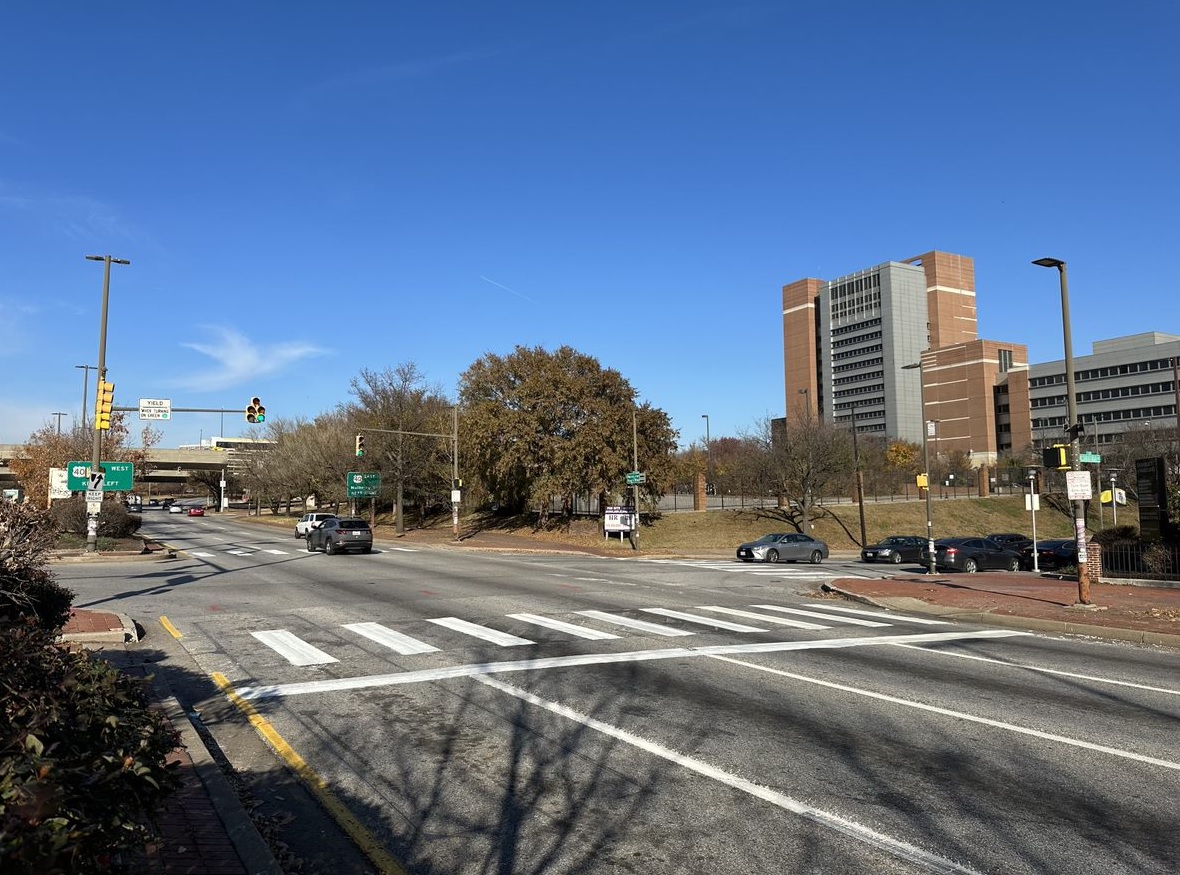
x=895 y=549
x=971 y=555
x=1011 y=541
x=1055 y=553
x=341 y=535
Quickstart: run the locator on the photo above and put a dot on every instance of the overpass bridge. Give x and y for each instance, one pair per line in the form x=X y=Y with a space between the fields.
x=169 y=466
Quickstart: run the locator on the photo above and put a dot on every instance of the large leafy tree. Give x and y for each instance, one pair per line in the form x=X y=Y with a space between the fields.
x=47 y=449
x=538 y=424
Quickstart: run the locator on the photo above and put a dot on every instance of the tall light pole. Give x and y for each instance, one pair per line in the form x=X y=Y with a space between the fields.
x=931 y=567
x=1073 y=427
x=96 y=447
x=860 y=481
x=85 y=389
x=708 y=458
x=59 y=416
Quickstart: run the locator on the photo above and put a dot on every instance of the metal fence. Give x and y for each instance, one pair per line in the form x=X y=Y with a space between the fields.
x=1131 y=560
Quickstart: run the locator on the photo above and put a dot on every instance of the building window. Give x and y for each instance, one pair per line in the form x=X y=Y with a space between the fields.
x=1005 y=360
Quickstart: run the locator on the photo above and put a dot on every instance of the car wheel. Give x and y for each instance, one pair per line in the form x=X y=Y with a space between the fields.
x=816 y=557
x=896 y=559
x=330 y=547
x=1013 y=564
x=772 y=555
x=310 y=546
x=970 y=566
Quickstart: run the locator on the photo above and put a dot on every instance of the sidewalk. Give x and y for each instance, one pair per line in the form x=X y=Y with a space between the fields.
x=203 y=830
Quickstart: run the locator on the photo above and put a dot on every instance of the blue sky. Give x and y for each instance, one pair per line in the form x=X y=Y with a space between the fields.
x=308 y=189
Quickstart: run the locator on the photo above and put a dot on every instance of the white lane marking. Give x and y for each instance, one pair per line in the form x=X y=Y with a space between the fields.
x=641 y=625
x=200 y=555
x=762 y=618
x=276 y=552
x=240 y=552
x=825 y=575
x=697 y=618
x=386 y=637
x=562 y=626
x=457 y=671
x=1068 y=674
x=483 y=632
x=860 y=832
x=402 y=549
x=293 y=648
x=959 y=715
x=881 y=615
x=828 y=617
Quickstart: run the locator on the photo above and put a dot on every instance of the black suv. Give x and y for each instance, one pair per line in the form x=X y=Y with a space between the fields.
x=341 y=535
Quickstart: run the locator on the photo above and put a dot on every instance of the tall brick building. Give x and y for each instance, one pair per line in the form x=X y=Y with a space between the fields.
x=847 y=341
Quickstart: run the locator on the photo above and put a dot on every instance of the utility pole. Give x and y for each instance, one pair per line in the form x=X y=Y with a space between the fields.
x=635 y=487
x=85 y=388
x=59 y=416
x=860 y=482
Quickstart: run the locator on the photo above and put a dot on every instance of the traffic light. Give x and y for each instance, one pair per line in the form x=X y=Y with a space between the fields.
x=360 y=445
x=1056 y=456
x=104 y=400
x=255 y=412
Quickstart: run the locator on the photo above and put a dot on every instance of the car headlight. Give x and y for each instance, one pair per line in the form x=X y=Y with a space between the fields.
x=885 y=551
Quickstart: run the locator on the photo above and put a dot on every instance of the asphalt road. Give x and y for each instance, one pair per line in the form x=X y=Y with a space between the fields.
x=539 y=713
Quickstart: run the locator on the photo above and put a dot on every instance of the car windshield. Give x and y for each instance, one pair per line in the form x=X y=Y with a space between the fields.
x=768 y=539
x=893 y=541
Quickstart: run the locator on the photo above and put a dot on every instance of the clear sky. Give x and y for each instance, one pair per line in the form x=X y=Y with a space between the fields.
x=308 y=189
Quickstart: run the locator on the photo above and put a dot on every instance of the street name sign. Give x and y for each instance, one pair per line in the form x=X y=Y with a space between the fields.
x=363 y=484
x=115 y=477
x=155 y=408
x=635 y=478
x=1089 y=458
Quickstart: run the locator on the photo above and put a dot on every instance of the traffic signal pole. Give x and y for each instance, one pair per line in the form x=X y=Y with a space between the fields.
x=96 y=446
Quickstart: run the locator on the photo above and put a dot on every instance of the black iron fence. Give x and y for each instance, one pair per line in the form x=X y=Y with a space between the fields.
x=1131 y=560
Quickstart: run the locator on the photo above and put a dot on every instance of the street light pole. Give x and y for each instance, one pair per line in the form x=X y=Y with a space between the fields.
x=931 y=567
x=59 y=416
x=96 y=446
x=860 y=481
x=85 y=389
x=708 y=458
x=1073 y=428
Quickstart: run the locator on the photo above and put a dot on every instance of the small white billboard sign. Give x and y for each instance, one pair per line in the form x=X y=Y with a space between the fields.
x=59 y=487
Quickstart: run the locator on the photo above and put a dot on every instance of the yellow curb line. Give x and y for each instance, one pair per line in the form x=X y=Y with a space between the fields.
x=347 y=821
x=172 y=630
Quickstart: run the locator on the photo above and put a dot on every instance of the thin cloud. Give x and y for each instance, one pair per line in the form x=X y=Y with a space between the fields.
x=77 y=216
x=507 y=289
x=240 y=359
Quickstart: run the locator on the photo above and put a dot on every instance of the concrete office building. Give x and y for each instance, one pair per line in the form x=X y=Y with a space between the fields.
x=1125 y=382
x=846 y=343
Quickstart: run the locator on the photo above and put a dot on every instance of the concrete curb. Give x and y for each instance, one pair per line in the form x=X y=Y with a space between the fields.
x=1012 y=621
x=125 y=633
x=252 y=849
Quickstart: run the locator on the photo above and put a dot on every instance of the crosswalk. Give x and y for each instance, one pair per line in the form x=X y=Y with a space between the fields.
x=604 y=625
x=758 y=569
x=245 y=550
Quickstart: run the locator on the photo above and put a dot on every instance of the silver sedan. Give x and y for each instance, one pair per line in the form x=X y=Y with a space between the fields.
x=789 y=547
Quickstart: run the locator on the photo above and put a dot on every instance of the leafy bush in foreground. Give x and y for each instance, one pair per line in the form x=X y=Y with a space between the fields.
x=81 y=758
x=27 y=589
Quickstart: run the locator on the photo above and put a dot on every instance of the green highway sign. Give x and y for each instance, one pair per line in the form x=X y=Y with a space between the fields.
x=362 y=484
x=1089 y=458
x=118 y=476
x=634 y=478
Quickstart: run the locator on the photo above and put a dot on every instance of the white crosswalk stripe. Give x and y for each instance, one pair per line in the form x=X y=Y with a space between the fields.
x=562 y=626
x=697 y=618
x=801 y=613
x=881 y=615
x=293 y=648
x=641 y=625
x=477 y=631
x=277 y=552
x=750 y=615
x=396 y=641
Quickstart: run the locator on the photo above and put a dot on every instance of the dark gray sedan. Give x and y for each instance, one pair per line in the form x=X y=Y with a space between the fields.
x=971 y=555
x=341 y=535
x=789 y=547
x=895 y=549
